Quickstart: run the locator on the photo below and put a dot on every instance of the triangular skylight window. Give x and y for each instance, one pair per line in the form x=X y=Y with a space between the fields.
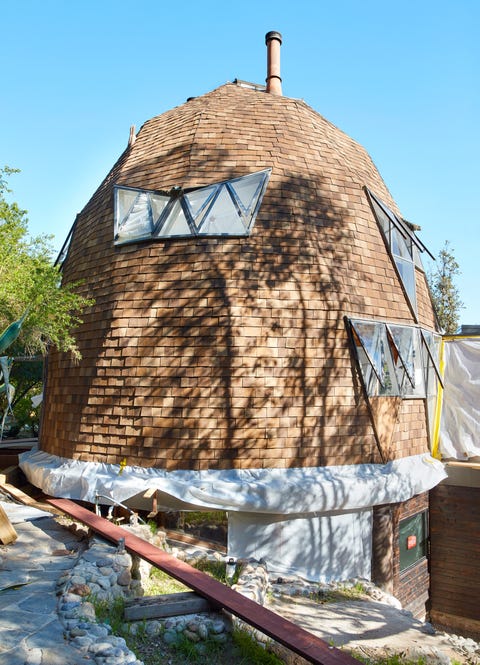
x=225 y=208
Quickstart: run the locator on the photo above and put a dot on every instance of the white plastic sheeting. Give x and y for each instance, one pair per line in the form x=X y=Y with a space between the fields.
x=460 y=420
x=324 y=548
x=18 y=513
x=301 y=491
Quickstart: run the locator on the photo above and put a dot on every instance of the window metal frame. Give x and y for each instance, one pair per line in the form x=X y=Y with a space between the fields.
x=413 y=243
x=179 y=196
x=422 y=366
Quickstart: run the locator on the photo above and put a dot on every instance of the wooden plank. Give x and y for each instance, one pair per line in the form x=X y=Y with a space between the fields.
x=7 y=532
x=451 y=603
x=463 y=625
x=10 y=475
x=462 y=573
x=181 y=537
x=465 y=465
x=18 y=444
x=27 y=500
x=168 y=605
x=454 y=600
x=462 y=568
x=455 y=549
x=295 y=638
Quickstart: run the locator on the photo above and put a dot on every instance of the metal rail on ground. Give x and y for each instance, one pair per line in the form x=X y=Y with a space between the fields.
x=293 y=637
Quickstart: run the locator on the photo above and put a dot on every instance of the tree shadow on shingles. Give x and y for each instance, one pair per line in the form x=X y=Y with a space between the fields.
x=291 y=267
x=256 y=274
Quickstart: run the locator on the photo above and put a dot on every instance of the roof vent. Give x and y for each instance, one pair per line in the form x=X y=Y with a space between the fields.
x=273 y=40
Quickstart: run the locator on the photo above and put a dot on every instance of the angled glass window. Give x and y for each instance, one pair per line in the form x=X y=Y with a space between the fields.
x=225 y=208
x=431 y=354
x=409 y=362
x=136 y=213
x=375 y=358
x=396 y=360
x=401 y=242
x=174 y=223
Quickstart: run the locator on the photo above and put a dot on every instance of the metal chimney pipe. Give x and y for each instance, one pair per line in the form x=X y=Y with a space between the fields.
x=273 y=40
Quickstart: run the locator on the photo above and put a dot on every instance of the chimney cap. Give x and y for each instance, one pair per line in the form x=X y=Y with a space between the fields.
x=273 y=34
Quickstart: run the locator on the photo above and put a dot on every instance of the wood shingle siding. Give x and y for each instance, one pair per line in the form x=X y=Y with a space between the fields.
x=232 y=352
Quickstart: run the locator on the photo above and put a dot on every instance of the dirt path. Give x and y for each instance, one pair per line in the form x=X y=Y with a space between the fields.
x=371 y=626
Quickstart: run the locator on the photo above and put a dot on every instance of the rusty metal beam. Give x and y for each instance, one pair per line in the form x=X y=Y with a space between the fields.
x=295 y=638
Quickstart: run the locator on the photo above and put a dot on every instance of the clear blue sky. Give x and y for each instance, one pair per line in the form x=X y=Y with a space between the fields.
x=402 y=78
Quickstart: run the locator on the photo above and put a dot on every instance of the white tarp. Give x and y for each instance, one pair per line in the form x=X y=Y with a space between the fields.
x=302 y=491
x=18 y=513
x=328 y=547
x=460 y=420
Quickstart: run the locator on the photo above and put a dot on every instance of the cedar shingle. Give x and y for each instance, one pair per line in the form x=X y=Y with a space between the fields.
x=232 y=352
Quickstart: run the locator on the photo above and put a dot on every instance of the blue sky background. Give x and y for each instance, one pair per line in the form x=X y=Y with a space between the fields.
x=401 y=78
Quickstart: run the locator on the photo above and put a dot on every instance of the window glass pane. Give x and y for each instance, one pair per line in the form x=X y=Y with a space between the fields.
x=417 y=257
x=136 y=221
x=125 y=200
x=400 y=246
x=383 y=220
x=176 y=223
x=407 y=274
x=393 y=360
x=223 y=217
x=199 y=201
x=158 y=204
x=431 y=375
x=373 y=337
x=409 y=343
x=248 y=189
x=418 y=367
x=413 y=539
x=369 y=377
x=403 y=356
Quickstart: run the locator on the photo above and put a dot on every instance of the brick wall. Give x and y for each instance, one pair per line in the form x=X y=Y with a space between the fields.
x=227 y=352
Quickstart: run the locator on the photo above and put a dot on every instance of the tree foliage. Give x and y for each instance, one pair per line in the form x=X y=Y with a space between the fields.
x=30 y=283
x=445 y=293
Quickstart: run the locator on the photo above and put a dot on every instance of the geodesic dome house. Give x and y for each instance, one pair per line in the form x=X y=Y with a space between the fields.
x=262 y=340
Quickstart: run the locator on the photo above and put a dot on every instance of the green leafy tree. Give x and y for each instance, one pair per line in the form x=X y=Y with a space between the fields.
x=36 y=312
x=445 y=294
x=30 y=285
